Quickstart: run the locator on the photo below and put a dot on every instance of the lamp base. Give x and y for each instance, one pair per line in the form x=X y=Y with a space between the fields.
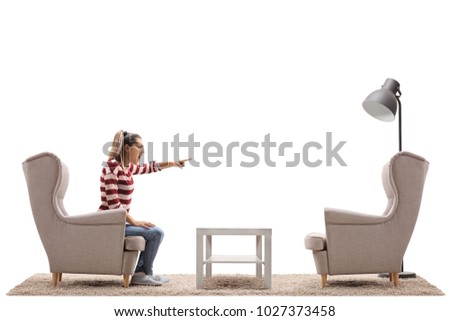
x=401 y=275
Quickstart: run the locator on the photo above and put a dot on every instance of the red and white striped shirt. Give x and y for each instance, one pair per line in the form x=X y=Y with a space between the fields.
x=117 y=185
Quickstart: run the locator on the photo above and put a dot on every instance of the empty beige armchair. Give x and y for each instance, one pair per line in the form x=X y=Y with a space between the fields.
x=358 y=243
x=86 y=244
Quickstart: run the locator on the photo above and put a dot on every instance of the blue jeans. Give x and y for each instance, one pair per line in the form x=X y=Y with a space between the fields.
x=153 y=237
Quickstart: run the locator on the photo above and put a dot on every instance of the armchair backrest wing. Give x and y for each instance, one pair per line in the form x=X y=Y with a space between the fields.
x=404 y=179
x=47 y=180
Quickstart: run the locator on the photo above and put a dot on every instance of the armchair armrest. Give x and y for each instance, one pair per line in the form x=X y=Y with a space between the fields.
x=344 y=217
x=108 y=217
x=89 y=243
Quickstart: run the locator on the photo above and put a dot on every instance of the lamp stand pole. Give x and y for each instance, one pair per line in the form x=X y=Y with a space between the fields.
x=399 y=124
x=402 y=274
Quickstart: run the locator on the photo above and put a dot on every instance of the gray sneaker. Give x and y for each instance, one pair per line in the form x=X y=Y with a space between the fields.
x=160 y=278
x=141 y=278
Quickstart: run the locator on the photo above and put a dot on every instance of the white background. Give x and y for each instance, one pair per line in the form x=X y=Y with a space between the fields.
x=72 y=73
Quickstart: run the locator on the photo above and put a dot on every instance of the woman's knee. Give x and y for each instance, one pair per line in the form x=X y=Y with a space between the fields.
x=159 y=232
x=154 y=233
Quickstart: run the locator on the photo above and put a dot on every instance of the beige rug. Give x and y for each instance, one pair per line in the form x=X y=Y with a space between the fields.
x=225 y=285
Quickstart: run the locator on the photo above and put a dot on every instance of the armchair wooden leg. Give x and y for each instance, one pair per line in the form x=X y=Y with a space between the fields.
x=126 y=280
x=59 y=277
x=324 y=280
x=55 y=277
x=395 y=278
x=391 y=278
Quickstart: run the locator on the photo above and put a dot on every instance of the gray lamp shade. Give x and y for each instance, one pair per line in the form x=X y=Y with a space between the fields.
x=382 y=103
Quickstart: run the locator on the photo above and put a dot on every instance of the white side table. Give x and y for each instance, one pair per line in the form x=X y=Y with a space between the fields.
x=206 y=257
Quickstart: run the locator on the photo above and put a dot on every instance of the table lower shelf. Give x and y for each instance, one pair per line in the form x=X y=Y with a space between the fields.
x=234 y=259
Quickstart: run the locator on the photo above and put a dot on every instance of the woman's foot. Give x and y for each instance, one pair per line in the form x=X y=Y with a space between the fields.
x=160 y=278
x=141 y=278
